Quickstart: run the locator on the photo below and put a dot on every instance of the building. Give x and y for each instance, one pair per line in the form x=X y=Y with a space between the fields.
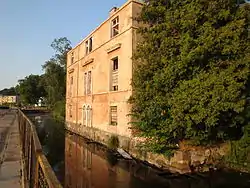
x=4 y=99
x=99 y=73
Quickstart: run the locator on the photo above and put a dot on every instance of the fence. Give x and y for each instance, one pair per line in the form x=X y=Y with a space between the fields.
x=37 y=171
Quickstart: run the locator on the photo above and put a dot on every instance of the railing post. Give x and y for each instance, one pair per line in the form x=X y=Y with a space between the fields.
x=36 y=171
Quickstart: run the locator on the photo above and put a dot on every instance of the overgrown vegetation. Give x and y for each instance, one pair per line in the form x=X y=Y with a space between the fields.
x=239 y=157
x=191 y=78
x=113 y=142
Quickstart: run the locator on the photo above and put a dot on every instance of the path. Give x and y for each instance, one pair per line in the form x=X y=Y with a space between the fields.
x=10 y=151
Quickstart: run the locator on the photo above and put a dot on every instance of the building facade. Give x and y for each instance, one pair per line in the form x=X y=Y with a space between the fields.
x=4 y=99
x=99 y=73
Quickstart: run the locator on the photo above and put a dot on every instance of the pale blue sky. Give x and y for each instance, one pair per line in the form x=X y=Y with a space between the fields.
x=27 y=28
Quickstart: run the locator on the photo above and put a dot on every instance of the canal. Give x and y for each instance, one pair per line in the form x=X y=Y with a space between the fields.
x=80 y=163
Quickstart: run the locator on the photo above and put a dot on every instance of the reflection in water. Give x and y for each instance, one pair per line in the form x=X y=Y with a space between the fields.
x=51 y=135
x=91 y=165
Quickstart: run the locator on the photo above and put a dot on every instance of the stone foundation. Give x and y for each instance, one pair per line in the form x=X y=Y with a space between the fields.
x=185 y=160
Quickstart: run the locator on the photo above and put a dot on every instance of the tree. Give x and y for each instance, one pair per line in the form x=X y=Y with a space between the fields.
x=8 y=91
x=191 y=77
x=30 y=89
x=54 y=78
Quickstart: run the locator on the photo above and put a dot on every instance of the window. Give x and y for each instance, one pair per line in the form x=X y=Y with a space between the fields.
x=70 y=110
x=90 y=44
x=113 y=115
x=72 y=57
x=115 y=64
x=114 y=77
x=84 y=116
x=85 y=83
x=71 y=86
x=115 y=27
x=87 y=116
x=89 y=83
x=86 y=47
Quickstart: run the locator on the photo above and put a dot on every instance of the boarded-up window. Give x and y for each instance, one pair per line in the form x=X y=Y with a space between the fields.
x=113 y=115
x=89 y=83
x=114 y=76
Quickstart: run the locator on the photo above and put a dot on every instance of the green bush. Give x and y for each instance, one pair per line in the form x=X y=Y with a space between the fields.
x=58 y=110
x=239 y=157
x=191 y=72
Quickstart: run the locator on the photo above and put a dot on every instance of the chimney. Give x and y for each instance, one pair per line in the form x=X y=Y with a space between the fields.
x=113 y=10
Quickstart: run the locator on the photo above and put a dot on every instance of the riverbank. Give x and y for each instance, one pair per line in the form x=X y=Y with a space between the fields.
x=184 y=160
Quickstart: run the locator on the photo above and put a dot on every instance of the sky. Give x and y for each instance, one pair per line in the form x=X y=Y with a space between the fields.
x=28 y=27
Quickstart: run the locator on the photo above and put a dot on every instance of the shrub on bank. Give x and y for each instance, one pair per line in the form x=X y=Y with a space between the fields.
x=58 y=111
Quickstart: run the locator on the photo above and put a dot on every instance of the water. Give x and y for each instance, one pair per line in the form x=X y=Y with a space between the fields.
x=78 y=162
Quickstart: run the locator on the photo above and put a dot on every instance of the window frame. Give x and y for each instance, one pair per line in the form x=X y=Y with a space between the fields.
x=114 y=25
x=70 y=111
x=114 y=73
x=89 y=82
x=72 y=58
x=86 y=47
x=84 y=118
x=115 y=122
x=85 y=82
x=90 y=44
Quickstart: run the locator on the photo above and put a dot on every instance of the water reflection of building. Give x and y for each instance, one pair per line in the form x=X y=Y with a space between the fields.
x=90 y=165
x=85 y=168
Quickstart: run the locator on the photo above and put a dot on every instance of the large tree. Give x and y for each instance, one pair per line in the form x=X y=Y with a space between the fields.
x=54 y=78
x=191 y=77
x=30 y=89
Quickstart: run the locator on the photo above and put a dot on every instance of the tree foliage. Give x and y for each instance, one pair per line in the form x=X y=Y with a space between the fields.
x=54 y=78
x=191 y=78
x=52 y=84
x=30 y=89
x=8 y=91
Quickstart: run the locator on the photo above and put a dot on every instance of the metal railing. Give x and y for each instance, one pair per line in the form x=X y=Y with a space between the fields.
x=37 y=171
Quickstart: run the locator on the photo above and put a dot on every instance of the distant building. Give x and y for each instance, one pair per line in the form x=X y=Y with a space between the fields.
x=4 y=99
x=99 y=73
